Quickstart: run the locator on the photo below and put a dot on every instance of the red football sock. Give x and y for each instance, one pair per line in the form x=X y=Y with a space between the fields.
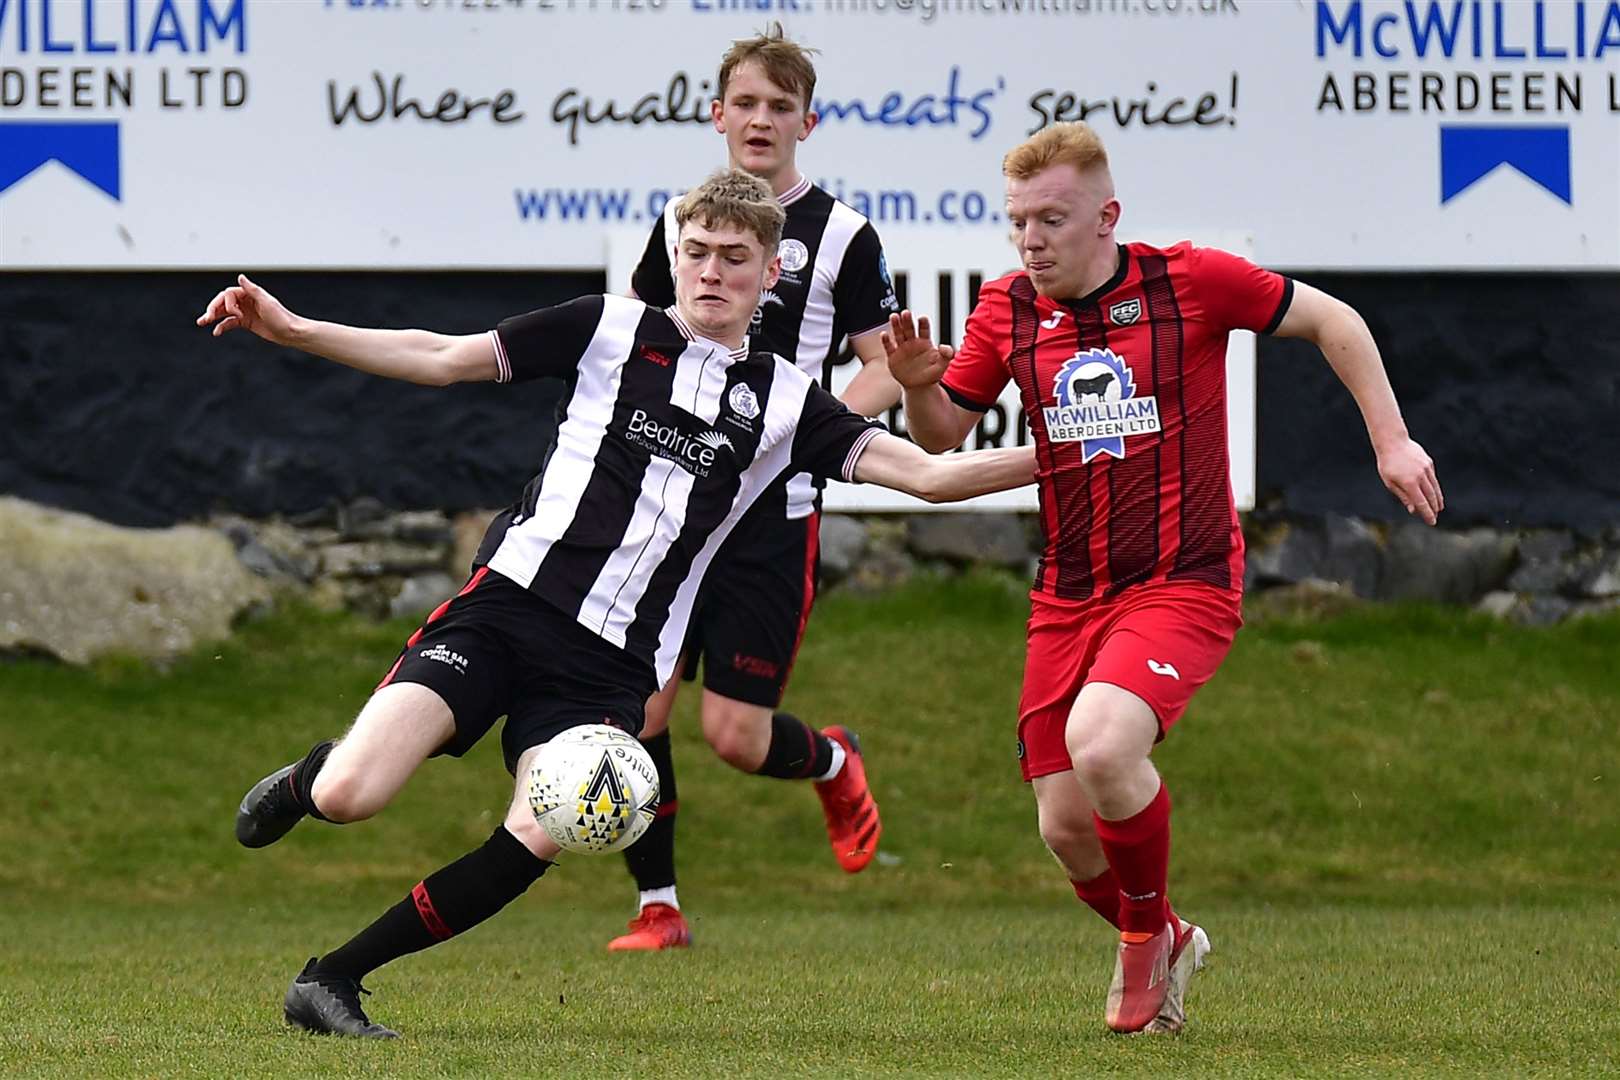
x=1101 y=894
x=1138 y=850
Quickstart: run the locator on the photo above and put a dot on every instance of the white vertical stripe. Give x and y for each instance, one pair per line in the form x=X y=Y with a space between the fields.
x=672 y=233
x=660 y=511
x=816 y=330
x=579 y=438
x=780 y=423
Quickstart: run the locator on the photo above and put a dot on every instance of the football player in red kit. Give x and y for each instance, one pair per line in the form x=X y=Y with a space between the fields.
x=1118 y=351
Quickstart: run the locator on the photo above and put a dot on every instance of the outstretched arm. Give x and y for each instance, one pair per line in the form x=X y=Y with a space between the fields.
x=917 y=364
x=418 y=356
x=873 y=390
x=1342 y=335
x=892 y=462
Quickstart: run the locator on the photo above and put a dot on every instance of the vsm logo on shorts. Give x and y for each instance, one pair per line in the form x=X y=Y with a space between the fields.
x=1097 y=405
x=445 y=655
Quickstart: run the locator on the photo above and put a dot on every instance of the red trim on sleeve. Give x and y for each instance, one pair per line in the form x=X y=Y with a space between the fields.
x=503 y=366
x=852 y=458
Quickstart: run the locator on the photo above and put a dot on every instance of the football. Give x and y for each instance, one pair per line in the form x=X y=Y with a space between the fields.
x=593 y=789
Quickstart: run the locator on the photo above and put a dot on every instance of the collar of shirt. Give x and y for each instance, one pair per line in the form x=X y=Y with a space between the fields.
x=734 y=355
x=796 y=192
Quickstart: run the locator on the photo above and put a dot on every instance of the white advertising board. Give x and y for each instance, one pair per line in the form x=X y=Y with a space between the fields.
x=516 y=133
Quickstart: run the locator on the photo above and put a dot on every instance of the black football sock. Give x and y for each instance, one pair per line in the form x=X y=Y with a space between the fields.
x=300 y=783
x=797 y=751
x=651 y=860
x=448 y=902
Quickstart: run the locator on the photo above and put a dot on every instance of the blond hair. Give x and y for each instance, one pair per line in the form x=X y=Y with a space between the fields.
x=1073 y=143
x=785 y=63
x=733 y=197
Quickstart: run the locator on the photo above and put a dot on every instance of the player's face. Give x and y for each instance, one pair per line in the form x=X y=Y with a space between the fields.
x=1063 y=225
x=719 y=273
x=763 y=123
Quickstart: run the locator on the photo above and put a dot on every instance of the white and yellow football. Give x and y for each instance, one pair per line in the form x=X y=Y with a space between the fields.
x=593 y=789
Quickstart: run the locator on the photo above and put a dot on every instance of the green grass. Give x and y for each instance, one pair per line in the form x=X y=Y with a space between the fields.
x=1399 y=826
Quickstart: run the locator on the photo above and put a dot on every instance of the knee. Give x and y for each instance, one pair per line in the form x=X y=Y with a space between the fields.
x=343 y=795
x=655 y=720
x=733 y=735
x=1098 y=757
x=1071 y=839
x=521 y=823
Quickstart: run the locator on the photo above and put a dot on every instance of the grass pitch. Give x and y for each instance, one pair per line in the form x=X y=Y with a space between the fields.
x=1399 y=827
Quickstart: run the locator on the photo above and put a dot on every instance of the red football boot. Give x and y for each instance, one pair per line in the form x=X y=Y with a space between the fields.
x=853 y=825
x=659 y=926
x=1141 y=979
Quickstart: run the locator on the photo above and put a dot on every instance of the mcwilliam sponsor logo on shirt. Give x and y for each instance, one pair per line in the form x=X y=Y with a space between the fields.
x=1097 y=405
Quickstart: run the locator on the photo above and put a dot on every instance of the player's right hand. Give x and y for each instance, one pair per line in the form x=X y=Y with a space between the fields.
x=914 y=360
x=246 y=306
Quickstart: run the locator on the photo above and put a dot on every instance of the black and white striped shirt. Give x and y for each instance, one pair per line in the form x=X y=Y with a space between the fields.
x=835 y=284
x=664 y=439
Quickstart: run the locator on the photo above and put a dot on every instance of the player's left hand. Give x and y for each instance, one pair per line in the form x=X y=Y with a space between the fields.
x=1408 y=472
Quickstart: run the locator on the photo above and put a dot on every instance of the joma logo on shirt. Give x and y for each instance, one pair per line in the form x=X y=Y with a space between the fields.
x=694 y=453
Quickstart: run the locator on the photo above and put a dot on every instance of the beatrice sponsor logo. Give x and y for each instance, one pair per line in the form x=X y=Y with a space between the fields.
x=696 y=454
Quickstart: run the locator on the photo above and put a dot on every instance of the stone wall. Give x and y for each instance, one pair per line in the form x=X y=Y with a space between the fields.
x=379 y=563
x=76 y=588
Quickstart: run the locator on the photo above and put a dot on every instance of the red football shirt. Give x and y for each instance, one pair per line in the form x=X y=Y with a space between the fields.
x=1125 y=391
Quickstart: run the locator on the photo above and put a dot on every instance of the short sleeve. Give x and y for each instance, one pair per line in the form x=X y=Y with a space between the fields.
x=653 y=281
x=547 y=342
x=1238 y=295
x=829 y=438
x=863 y=295
x=978 y=372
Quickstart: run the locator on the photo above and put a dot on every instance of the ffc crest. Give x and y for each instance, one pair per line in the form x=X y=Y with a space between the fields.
x=1097 y=404
x=1125 y=313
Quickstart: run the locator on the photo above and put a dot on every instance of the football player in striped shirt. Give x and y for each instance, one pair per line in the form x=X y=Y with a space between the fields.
x=670 y=427
x=749 y=622
x=1118 y=351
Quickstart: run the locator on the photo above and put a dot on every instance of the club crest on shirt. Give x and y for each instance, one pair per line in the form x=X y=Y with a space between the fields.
x=743 y=401
x=795 y=256
x=1097 y=404
x=1125 y=313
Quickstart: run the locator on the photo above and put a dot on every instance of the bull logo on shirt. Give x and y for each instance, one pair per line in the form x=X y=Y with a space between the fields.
x=1097 y=405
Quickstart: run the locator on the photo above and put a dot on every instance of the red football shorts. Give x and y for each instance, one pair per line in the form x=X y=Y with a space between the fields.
x=1160 y=641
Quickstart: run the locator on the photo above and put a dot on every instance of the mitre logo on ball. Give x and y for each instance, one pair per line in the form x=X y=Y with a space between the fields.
x=593 y=788
x=1097 y=404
